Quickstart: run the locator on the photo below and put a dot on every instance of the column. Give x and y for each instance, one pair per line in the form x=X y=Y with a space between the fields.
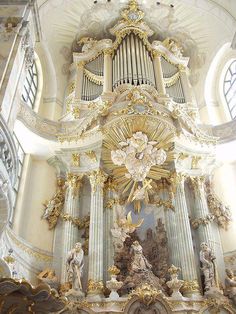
x=107 y=85
x=207 y=229
x=205 y=233
x=79 y=80
x=170 y=219
x=158 y=73
x=184 y=236
x=95 y=272
x=70 y=230
x=185 y=85
x=108 y=225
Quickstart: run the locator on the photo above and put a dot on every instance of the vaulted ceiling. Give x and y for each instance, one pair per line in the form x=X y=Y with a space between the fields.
x=202 y=26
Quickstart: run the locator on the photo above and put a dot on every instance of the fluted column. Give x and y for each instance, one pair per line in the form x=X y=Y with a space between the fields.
x=170 y=223
x=107 y=85
x=158 y=74
x=71 y=209
x=95 y=273
x=185 y=85
x=185 y=244
x=79 y=80
x=108 y=225
x=201 y=212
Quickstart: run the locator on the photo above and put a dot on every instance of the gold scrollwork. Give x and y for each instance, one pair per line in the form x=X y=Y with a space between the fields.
x=146 y=294
x=95 y=287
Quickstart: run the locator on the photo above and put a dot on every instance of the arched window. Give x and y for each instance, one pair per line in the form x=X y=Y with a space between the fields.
x=30 y=86
x=230 y=89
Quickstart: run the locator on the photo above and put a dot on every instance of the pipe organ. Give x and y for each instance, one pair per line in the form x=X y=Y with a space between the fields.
x=93 y=79
x=104 y=65
x=172 y=81
x=132 y=63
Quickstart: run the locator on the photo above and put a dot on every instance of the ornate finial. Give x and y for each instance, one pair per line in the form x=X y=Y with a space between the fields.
x=132 y=14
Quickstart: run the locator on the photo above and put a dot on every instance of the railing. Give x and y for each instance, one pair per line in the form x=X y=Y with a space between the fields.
x=8 y=153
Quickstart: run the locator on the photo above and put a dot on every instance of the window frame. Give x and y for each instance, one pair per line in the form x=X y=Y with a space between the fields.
x=226 y=90
x=30 y=87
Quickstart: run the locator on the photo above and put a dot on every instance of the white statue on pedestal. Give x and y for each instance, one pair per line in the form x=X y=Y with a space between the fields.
x=208 y=267
x=74 y=267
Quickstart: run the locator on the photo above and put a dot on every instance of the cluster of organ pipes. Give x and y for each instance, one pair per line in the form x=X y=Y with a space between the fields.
x=175 y=90
x=132 y=63
x=92 y=90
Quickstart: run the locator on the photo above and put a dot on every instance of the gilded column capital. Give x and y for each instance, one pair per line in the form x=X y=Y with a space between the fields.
x=80 y=65
x=73 y=182
x=97 y=179
x=198 y=183
x=177 y=178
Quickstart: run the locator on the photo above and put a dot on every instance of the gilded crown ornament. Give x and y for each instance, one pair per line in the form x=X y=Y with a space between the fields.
x=132 y=14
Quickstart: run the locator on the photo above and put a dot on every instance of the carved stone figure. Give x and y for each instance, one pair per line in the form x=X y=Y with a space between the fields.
x=208 y=267
x=74 y=266
x=139 y=270
x=140 y=262
x=230 y=285
x=122 y=228
x=54 y=207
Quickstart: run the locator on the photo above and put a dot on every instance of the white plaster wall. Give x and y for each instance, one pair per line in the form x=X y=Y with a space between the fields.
x=225 y=189
x=39 y=185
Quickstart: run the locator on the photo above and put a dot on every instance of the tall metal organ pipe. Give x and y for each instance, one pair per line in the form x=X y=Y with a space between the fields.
x=132 y=63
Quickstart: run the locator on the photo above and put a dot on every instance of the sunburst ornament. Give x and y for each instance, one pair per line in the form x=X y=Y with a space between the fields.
x=148 y=140
x=138 y=155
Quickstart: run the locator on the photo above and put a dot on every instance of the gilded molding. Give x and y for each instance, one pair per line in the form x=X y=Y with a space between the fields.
x=95 y=287
x=75 y=159
x=147 y=294
x=190 y=286
x=29 y=251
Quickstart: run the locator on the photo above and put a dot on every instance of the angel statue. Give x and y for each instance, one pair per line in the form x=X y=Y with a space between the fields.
x=74 y=267
x=122 y=228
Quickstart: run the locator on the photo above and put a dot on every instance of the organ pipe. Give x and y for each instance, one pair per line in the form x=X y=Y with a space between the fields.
x=132 y=63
